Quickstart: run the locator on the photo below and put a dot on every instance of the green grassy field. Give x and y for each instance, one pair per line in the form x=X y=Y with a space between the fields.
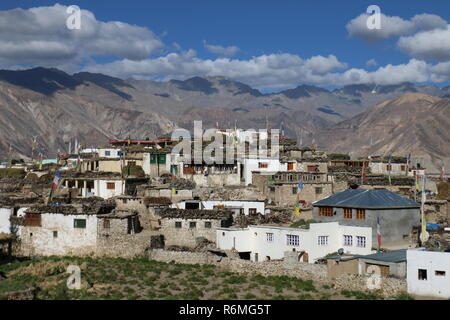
x=132 y=279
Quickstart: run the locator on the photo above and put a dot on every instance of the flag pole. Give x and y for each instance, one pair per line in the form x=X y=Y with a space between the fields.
x=422 y=208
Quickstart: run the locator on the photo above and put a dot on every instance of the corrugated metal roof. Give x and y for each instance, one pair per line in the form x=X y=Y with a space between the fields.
x=390 y=256
x=374 y=199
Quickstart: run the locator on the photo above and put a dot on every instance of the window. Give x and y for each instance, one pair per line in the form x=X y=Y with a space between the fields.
x=294 y=190
x=107 y=153
x=348 y=240
x=208 y=224
x=32 y=219
x=361 y=242
x=79 y=223
x=269 y=237
x=153 y=158
x=55 y=234
x=319 y=190
x=311 y=168
x=263 y=165
x=178 y=224
x=422 y=274
x=161 y=159
x=272 y=189
x=292 y=240
x=322 y=240
x=110 y=185
x=360 y=214
x=106 y=224
x=389 y=167
x=192 y=225
x=132 y=163
x=403 y=167
x=348 y=213
x=252 y=211
x=325 y=211
x=439 y=273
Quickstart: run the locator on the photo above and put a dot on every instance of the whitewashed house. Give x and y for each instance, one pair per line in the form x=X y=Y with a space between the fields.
x=261 y=165
x=75 y=229
x=395 y=169
x=236 y=206
x=109 y=153
x=262 y=243
x=428 y=273
x=91 y=186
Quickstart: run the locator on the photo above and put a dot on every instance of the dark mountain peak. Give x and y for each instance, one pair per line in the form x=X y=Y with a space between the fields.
x=39 y=79
x=106 y=82
x=401 y=87
x=355 y=89
x=195 y=84
x=302 y=91
x=241 y=87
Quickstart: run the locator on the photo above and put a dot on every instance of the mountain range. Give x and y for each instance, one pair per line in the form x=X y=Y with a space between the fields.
x=57 y=108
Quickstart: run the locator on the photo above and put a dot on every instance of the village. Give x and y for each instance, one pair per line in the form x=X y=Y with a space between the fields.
x=302 y=213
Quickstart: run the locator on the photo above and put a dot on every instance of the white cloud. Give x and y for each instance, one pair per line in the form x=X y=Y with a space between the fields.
x=431 y=45
x=266 y=71
x=39 y=36
x=392 y=26
x=273 y=71
x=372 y=63
x=220 y=50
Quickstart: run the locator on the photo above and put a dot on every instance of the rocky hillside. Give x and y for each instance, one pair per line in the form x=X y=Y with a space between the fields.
x=414 y=122
x=57 y=107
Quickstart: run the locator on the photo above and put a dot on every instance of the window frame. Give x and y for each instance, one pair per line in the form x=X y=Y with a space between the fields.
x=360 y=214
x=109 y=184
x=348 y=240
x=76 y=223
x=192 y=225
x=178 y=224
x=292 y=240
x=269 y=237
x=326 y=211
x=322 y=241
x=348 y=213
x=422 y=274
x=263 y=165
x=106 y=223
x=361 y=240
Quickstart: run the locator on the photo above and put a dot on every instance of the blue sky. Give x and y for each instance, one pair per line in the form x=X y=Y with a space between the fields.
x=302 y=29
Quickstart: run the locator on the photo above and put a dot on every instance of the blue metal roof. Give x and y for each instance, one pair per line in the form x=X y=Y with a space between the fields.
x=370 y=199
x=390 y=256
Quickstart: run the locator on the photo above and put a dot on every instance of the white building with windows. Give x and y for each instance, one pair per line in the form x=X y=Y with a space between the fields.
x=262 y=243
x=236 y=206
x=109 y=153
x=428 y=273
x=104 y=187
x=261 y=165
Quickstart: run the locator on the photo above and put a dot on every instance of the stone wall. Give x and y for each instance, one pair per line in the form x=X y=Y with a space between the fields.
x=307 y=271
x=284 y=194
x=186 y=236
x=267 y=268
